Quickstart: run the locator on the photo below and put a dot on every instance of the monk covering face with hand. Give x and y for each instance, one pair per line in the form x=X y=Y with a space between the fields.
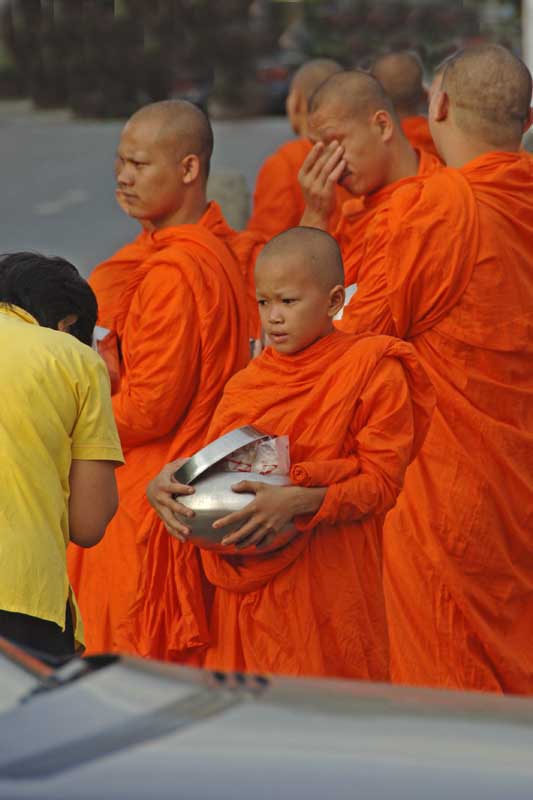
x=174 y=304
x=359 y=144
x=401 y=75
x=278 y=202
x=451 y=260
x=355 y=409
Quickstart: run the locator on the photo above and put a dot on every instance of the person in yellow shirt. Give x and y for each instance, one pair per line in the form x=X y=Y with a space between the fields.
x=59 y=447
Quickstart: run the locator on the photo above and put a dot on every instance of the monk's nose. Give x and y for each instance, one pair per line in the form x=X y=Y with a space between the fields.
x=275 y=315
x=125 y=175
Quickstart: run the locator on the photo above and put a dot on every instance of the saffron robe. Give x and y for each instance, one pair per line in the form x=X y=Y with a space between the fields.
x=278 y=202
x=356 y=216
x=451 y=272
x=356 y=410
x=416 y=129
x=176 y=300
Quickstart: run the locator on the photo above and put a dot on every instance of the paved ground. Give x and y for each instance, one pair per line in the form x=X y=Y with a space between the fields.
x=56 y=188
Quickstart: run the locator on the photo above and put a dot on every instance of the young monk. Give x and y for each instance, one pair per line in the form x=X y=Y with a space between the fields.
x=451 y=268
x=360 y=145
x=175 y=301
x=402 y=76
x=278 y=203
x=356 y=409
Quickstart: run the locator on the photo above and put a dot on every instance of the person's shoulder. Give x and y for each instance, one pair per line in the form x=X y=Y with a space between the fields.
x=435 y=194
x=67 y=349
x=246 y=376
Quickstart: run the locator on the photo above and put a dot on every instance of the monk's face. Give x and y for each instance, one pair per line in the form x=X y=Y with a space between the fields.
x=294 y=307
x=149 y=173
x=364 y=142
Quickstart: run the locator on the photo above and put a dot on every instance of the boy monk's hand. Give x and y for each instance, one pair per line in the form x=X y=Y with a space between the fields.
x=272 y=510
x=160 y=493
x=318 y=178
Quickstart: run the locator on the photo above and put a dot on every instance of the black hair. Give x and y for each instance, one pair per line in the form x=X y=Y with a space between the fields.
x=50 y=289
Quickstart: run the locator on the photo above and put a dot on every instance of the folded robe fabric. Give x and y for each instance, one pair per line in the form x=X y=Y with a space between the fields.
x=247 y=246
x=356 y=410
x=417 y=131
x=176 y=300
x=357 y=215
x=451 y=271
x=278 y=202
x=320 y=473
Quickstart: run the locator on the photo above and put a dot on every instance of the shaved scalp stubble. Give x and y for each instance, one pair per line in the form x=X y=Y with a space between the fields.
x=182 y=123
x=356 y=93
x=318 y=251
x=489 y=90
x=401 y=74
x=312 y=74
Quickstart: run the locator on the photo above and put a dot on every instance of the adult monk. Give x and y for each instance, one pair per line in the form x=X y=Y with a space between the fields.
x=278 y=203
x=360 y=145
x=174 y=299
x=451 y=272
x=402 y=76
x=356 y=409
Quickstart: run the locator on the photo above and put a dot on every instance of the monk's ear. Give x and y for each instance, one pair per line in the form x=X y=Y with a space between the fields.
x=337 y=298
x=191 y=168
x=67 y=322
x=383 y=121
x=296 y=107
x=439 y=107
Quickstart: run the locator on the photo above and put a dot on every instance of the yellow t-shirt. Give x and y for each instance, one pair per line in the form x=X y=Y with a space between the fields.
x=55 y=406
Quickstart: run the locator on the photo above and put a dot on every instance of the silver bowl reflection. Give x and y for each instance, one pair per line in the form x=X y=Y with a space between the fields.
x=214 y=498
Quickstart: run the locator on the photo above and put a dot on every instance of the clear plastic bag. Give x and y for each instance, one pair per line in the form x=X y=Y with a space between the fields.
x=266 y=457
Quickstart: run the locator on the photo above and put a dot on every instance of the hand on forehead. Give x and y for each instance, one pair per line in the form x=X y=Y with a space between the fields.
x=353 y=95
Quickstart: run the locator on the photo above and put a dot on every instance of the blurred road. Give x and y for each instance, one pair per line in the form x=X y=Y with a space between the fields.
x=56 y=186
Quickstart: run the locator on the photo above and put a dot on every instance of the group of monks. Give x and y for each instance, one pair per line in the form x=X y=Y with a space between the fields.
x=409 y=407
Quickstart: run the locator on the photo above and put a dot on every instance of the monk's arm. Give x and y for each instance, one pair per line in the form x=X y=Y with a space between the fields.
x=161 y=346
x=384 y=443
x=369 y=311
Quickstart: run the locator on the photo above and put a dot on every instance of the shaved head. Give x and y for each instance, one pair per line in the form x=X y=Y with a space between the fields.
x=489 y=91
x=308 y=78
x=355 y=93
x=315 y=250
x=180 y=124
x=401 y=75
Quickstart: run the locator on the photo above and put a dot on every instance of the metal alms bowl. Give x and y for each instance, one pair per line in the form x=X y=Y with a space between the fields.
x=214 y=497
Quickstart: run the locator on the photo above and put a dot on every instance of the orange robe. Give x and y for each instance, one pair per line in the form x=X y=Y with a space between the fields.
x=357 y=213
x=246 y=245
x=278 y=202
x=452 y=273
x=175 y=298
x=416 y=129
x=356 y=410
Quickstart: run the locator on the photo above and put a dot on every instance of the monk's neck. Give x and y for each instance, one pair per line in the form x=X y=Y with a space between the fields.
x=189 y=213
x=464 y=152
x=403 y=162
